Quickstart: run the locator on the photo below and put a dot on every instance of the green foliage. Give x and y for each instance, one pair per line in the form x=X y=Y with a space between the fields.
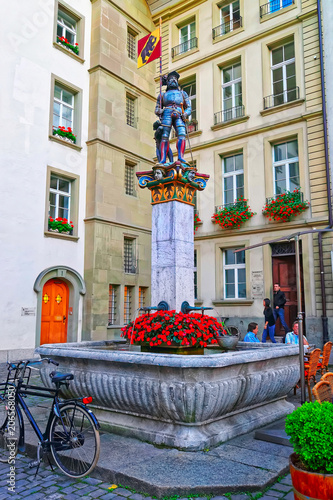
x=310 y=428
x=285 y=206
x=234 y=214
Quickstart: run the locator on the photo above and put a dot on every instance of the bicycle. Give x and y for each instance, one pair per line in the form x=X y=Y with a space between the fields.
x=72 y=430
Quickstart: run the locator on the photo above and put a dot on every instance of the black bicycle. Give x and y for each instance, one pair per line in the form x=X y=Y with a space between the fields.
x=72 y=430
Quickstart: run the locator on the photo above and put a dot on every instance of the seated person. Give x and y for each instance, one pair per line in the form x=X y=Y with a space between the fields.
x=252 y=331
x=292 y=337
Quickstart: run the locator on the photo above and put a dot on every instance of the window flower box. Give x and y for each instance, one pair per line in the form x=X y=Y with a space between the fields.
x=197 y=221
x=64 y=134
x=285 y=206
x=233 y=215
x=60 y=225
x=61 y=40
x=192 y=126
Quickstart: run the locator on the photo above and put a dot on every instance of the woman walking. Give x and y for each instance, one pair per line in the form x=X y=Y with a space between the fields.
x=269 y=322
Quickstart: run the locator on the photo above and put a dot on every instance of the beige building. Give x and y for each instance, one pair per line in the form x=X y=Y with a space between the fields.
x=252 y=70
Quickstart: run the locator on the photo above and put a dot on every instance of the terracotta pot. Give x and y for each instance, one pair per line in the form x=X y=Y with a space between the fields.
x=310 y=485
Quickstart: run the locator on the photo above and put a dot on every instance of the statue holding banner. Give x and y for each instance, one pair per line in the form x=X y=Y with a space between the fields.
x=173 y=107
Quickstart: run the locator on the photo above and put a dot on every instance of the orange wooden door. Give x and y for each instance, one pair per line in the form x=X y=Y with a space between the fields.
x=54 y=312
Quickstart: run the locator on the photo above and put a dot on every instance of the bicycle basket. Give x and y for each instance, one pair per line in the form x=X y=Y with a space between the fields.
x=14 y=374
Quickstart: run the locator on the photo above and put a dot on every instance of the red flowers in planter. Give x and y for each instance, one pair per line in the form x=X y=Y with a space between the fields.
x=63 y=132
x=285 y=206
x=197 y=220
x=171 y=328
x=60 y=225
x=65 y=42
x=233 y=215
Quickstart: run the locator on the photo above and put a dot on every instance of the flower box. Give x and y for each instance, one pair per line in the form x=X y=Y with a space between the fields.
x=61 y=40
x=234 y=215
x=60 y=225
x=285 y=206
x=64 y=134
x=197 y=222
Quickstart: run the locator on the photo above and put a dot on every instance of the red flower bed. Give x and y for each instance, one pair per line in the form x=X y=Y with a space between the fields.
x=171 y=328
x=61 y=225
x=285 y=206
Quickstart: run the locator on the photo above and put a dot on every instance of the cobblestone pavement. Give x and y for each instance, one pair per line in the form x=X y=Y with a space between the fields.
x=55 y=485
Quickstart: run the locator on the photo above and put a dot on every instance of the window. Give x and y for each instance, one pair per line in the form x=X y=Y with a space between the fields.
x=274 y=6
x=142 y=296
x=190 y=89
x=66 y=27
x=232 y=103
x=129 y=179
x=230 y=17
x=113 y=304
x=129 y=256
x=186 y=34
x=128 y=303
x=283 y=74
x=195 y=275
x=130 y=111
x=232 y=178
x=234 y=275
x=60 y=198
x=63 y=108
x=131 y=44
x=285 y=167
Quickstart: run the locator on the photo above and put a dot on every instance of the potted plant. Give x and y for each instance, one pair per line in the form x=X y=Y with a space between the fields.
x=60 y=225
x=197 y=221
x=192 y=126
x=66 y=134
x=310 y=428
x=233 y=215
x=228 y=337
x=63 y=41
x=285 y=206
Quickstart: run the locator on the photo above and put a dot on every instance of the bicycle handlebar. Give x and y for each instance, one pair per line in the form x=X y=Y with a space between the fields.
x=28 y=362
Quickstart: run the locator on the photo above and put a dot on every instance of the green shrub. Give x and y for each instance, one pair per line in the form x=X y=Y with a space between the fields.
x=310 y=428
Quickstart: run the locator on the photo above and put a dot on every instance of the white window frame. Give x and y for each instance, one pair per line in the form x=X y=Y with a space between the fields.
x=231 y=14
x=282 y=65
x=58 y=193
x=188 y=26
x=235 y=267
x=232 y=174
x=231 y=84
x=60 y=22
x=62 y=105
x=286 y=163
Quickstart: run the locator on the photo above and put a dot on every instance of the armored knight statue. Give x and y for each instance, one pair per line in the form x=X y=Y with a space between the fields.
x=173 y=107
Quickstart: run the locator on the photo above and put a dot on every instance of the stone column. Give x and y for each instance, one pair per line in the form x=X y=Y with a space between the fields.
x=172 y=277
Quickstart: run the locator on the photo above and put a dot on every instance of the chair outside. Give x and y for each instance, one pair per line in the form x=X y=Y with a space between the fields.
x=311 y=368
x=322 y=391
x=328 y=377
x=325 y=357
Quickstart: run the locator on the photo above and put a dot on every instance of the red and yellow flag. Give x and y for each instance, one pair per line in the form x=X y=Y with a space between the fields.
x=149 y=48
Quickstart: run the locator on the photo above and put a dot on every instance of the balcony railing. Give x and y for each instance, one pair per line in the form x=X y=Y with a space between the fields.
x=300 y=195
x=240 y=204
x=191 y=126
x=274 y=6
x=229 y=114
x=278 y=99
x=226 y=28
x=184 y=47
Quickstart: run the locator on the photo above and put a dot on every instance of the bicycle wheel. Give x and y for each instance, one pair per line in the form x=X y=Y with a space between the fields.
x=74 y=441
x=9 y=429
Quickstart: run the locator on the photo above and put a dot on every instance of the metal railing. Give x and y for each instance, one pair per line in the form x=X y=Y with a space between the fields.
x=240 y=204
x=274 y=6
x=229 y=114
x=278 y=99
x=190 y=126
x=300 y=194
x=184 y=47
x=226 y=28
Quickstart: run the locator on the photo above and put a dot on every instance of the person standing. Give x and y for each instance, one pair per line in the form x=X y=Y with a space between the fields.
x=279 y=300
x=269 y=322
x=252 y=331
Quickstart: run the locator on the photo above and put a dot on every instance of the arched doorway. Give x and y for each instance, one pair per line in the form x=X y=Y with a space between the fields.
x=54 y=321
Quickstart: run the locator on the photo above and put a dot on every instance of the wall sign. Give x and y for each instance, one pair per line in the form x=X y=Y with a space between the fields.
x=257 y=284
x=28 y=311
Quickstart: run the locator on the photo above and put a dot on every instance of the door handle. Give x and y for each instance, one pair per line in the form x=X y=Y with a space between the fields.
x=64 y=319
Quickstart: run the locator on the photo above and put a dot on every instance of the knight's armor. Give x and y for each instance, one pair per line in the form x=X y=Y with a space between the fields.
x=175 y=105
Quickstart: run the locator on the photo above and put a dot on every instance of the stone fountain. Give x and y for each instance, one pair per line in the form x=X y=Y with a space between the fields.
x=187 y=402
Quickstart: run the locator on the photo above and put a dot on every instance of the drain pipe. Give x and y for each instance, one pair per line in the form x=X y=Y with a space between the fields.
x=328 y=180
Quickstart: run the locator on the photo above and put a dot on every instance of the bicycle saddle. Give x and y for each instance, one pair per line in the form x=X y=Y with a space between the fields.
x=61 y=377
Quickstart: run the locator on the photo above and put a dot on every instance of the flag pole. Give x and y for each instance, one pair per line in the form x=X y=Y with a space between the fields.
x=161 y=63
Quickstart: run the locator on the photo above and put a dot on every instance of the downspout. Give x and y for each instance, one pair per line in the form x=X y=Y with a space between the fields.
x=328 y=180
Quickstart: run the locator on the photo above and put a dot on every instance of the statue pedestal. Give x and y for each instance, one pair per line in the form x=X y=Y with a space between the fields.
x=172 y=267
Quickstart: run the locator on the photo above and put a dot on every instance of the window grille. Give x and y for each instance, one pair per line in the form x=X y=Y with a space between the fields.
x=142 y=296
x=129 y=179
x=130 y=111
x=128 y=299
x=60 y=197
x=113 y=304
x=234 y=275
x=129 y=256
x=131 y=45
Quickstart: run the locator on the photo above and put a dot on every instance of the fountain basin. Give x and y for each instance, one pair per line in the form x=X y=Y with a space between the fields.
x=187 y=402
